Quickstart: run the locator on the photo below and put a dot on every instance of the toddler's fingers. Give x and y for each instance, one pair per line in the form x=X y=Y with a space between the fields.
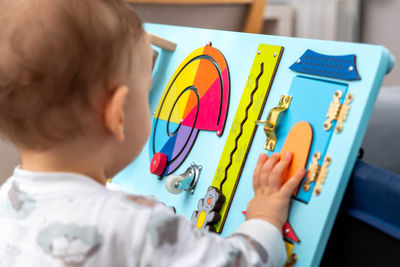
x=288 y=188
x=267 y=168
x=257 y=171
x=275 y=180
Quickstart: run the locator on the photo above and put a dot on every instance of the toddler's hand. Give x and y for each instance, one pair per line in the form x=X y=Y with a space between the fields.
x=271 y=200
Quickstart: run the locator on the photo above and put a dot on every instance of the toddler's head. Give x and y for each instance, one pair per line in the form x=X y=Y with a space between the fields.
x=74 y=70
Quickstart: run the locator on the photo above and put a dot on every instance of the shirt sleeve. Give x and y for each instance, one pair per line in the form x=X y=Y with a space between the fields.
x=171 y=240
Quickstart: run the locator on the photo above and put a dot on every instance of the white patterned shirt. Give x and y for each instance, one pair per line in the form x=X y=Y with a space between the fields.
x=67 y=219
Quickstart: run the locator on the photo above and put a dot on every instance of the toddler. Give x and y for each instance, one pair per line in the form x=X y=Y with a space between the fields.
x=74 y=82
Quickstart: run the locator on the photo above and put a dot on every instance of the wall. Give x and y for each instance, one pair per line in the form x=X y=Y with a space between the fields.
x=222 y=17
x=380 y=25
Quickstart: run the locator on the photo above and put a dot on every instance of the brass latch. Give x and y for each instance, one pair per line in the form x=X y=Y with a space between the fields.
x=316 y=173
x=271 y=123
x=338 y=112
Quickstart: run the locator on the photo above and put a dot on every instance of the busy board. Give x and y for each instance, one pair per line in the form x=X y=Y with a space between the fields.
x=222 y=98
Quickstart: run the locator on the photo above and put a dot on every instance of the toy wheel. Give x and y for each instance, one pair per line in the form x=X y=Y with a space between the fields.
x=171 y=183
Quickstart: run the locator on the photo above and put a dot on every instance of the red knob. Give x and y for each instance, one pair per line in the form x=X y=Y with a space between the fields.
x=158 y=163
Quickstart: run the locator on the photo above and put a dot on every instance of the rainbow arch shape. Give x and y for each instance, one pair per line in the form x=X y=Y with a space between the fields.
x=195 y=98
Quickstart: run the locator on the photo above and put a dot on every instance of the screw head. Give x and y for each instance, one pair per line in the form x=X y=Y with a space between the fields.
x=298 y=61
x=259 y=52
x=351 y=68
x=275 y=54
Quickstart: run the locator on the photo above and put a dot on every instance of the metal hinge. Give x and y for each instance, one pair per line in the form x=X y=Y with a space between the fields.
x=317 y=173
x=338 y=112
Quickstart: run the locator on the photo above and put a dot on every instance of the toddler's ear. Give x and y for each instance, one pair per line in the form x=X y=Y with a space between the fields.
x=114 y=112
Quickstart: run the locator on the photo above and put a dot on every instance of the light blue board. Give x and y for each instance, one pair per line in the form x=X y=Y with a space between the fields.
x=302 y=108
x=313 y=221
